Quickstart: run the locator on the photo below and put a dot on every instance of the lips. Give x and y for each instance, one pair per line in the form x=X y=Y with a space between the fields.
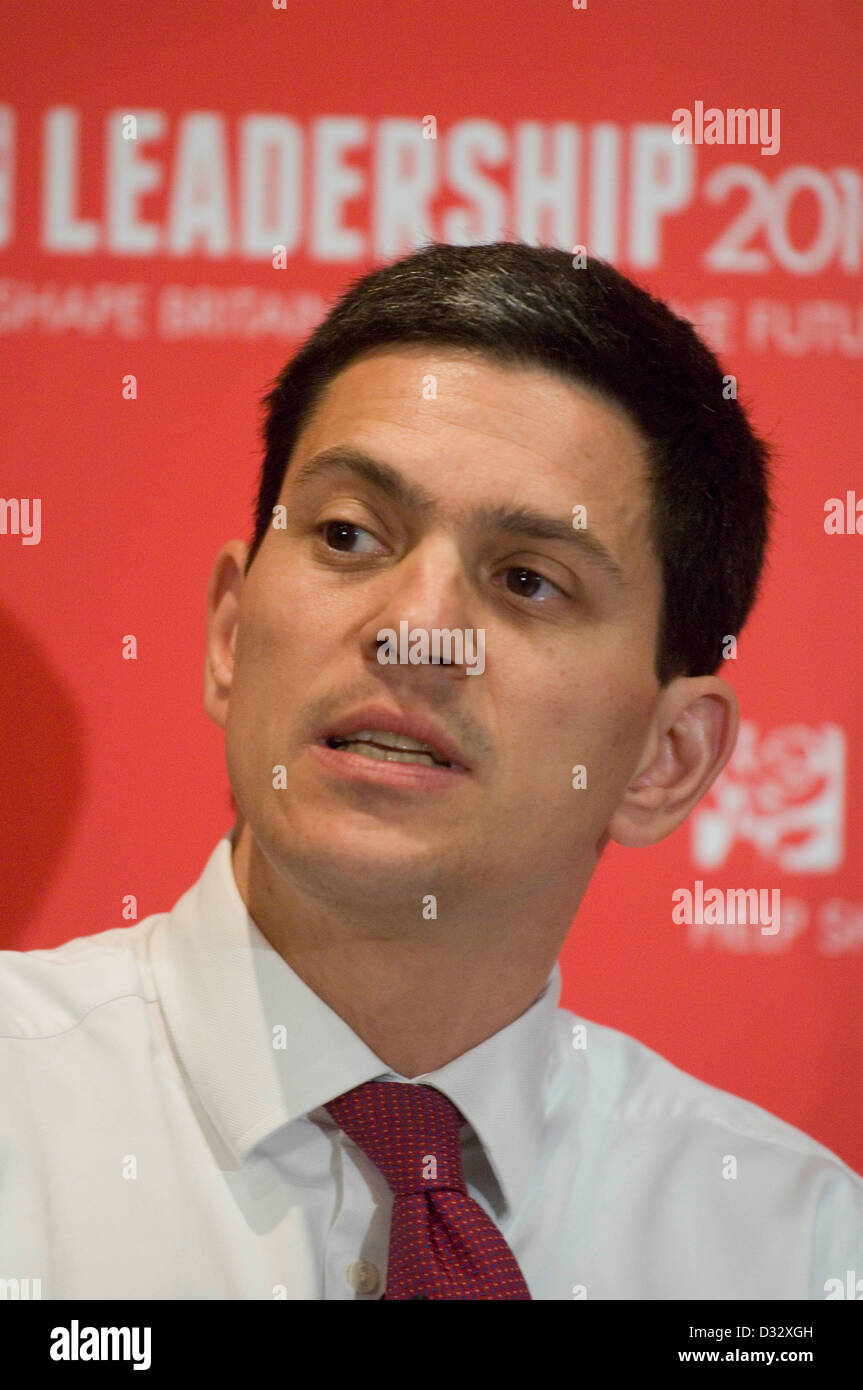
x=393 y=735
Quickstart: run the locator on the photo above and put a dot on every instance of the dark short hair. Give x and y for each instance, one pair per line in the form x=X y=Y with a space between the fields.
x=534 y=306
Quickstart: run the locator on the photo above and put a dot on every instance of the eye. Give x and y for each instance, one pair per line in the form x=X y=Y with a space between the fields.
x=338 y=535
x=527 y=584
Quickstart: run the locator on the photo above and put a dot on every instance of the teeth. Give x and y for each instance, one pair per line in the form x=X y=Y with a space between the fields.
x=386 y=746
x=391 y=740
x=391 y=755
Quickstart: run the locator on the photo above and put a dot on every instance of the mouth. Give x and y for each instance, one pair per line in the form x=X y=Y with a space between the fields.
x=387 y=747
x=379 y=734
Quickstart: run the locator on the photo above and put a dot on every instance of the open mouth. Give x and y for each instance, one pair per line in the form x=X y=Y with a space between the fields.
x=387 y=747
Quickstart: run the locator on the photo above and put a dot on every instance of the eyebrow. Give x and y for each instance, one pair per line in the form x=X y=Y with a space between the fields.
x=516 y=521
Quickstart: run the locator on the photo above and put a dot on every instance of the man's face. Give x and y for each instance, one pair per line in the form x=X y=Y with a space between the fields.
x=568 y=676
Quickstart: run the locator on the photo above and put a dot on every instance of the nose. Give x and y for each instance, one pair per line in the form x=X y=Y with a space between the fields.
x=423 y=617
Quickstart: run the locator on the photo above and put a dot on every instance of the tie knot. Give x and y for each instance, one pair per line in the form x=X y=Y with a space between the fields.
x=409 y=1132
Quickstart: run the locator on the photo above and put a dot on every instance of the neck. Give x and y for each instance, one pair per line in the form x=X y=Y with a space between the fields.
x=419 y=991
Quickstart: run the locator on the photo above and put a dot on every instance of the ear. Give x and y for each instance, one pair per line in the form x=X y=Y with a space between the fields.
x=223 y=610
x=692 y=737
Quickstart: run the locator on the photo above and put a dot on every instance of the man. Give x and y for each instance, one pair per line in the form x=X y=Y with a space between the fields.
x=506 y=518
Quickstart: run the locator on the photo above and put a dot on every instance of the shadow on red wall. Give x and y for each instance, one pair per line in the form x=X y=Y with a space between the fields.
x=42 y=736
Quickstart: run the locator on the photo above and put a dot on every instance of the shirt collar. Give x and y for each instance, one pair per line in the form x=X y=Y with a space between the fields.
x=261 y=1049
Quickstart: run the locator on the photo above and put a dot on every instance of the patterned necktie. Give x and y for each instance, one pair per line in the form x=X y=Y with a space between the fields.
x=442 y=1243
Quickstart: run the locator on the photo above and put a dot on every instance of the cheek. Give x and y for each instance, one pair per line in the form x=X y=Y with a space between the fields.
x=296 y=609
x=581 y=717
x=546 y=729
x=277 y=631
x=263 y=678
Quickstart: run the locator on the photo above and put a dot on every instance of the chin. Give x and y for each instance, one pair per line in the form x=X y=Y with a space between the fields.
x=361 y=855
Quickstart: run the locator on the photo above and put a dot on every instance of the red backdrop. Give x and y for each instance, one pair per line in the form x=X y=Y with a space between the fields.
x=347 y=134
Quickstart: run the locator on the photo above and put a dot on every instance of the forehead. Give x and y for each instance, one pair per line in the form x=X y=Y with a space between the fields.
x=472 y=430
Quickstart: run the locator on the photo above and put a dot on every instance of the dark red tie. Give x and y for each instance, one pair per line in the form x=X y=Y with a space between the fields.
x=442 y=1243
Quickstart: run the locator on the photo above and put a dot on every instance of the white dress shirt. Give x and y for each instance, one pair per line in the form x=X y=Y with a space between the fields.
x=162 y=1136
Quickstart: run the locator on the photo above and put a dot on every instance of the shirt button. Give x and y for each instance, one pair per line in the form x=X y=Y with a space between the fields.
x=362 y=1276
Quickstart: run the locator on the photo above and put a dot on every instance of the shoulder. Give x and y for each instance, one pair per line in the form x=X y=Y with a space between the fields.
x=629 y=1087
x=46 y=993
x=711 y=1194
